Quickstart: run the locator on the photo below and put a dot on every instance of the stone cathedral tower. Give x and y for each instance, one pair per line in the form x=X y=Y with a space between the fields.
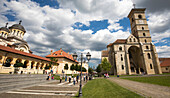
x=136 y=54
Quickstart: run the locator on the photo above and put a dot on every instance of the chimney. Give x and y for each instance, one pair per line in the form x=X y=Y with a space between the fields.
x=51 y=52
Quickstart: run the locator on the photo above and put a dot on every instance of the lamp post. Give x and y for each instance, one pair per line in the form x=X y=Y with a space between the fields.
x=88 y=57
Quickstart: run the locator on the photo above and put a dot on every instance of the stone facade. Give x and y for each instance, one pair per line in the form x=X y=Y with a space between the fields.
x=137 y=53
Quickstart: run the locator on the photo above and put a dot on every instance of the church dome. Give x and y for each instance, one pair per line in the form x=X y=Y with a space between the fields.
x=4 y=29
x=18 y=26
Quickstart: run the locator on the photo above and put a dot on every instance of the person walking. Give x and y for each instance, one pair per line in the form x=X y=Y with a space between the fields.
x=86 y=78
x=60 y=78
x=66 y=78
x=69 y=79
x=77 y=78
x=74 y=80
x=49 y=76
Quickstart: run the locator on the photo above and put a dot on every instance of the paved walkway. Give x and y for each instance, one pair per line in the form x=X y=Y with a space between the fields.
x=52 y=89
x=145 y=89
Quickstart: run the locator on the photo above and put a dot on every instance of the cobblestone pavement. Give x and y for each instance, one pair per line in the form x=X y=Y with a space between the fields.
x=145 y=89
x=52 y=89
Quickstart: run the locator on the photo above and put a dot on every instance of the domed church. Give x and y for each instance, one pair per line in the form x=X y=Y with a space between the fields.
x=13 y=37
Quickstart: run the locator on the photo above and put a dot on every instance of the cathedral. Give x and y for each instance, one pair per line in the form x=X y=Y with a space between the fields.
x=13 y=37
x=137 y=53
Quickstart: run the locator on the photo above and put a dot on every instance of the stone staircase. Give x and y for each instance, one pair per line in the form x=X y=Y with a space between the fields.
x=10 y=82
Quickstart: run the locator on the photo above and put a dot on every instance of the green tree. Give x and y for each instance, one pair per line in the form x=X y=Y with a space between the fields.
x=79 y=68
x=18 y=65
x=76 y=67
x=106 y=66
x=72 y=67
x=90 y=70
x=53 y=62
x=98 y=69
x=84 y=69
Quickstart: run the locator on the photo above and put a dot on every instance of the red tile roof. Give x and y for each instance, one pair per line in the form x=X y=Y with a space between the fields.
x=60 y=53
x=104 y=53
x=8 y=49
x=118 y=41
x=164 y=62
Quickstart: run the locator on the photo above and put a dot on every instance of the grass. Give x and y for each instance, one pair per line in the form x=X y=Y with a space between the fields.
x=103 y=88
x=159 y=80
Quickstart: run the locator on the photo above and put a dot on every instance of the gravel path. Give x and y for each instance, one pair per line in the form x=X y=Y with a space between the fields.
x=149 y=90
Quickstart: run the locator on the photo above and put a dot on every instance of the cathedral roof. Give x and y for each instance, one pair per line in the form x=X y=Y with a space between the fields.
x=120 y=41
x=5 y=29
x=60 y=53
x=164 y=62
x=18 y=26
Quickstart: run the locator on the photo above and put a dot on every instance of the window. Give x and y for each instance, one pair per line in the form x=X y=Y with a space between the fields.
x=120 y=48
x=151 y=66
x=142 y=28
x=134 y=40
x=122 y=67
x=132 y=20
x=149 y=56
x=166 y=68
x=121 y=55
x=147 y=47
x=144 y=34
x=140 y=16
x=130 y=40
x=121 y=58
x=145 y=41
x=2 y=33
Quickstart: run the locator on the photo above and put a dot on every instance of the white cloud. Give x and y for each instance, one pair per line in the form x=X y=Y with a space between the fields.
x=163 y=51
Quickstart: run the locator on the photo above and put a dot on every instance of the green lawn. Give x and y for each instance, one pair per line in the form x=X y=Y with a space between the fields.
x=103 y=88
x=159 y=80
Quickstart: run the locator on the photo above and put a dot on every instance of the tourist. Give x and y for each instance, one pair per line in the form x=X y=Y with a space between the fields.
x=69 y=79
x=49 y=76
x=74 y=80
x=52 y=77
x=66 y=78
x=84 y=78
x=60 y=78
x=77 y=78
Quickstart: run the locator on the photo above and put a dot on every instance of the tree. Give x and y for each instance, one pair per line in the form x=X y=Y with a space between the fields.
x=18 y=65
x=90 y=70
x=98 y=69
x=76 y=67
x=66 y=67
x=84 y=69
x=72 y=67
x=106 y=66
x=79 y=68
x=53 y=62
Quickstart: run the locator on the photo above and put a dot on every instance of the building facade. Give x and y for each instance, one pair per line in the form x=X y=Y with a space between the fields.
x=165 y=65
x=63 y=59
x=14 y=50
x=137 y=53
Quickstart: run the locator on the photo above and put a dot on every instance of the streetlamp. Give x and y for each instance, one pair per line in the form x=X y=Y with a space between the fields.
x=88 y=57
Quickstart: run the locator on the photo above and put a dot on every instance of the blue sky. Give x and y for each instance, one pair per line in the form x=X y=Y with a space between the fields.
x=84 y=26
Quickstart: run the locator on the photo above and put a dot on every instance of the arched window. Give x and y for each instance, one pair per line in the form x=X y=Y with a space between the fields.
x=120 y=48
x=2 y=33
x=149 y=56
x=5 y=35
x=122 y=67
x=145 y=41
x=142 y=28
x=147 y=47
x=14 y=32
x=151 y=66
x=140 y=16
x=130 y=40
x=144 y=34
x=17 y=33
x=121 y=58
x=134 y=40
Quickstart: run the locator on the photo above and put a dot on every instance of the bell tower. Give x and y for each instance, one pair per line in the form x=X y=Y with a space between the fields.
x=139 y=26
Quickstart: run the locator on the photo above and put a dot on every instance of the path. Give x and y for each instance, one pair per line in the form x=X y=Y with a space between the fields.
x=145 y=89
x=52 y=89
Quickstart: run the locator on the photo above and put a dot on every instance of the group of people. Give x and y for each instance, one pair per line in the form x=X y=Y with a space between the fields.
x=74 y=78
x=50 y=77
x=106 y=75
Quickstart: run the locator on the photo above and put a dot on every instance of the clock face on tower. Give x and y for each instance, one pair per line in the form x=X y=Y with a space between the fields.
x=141 y=22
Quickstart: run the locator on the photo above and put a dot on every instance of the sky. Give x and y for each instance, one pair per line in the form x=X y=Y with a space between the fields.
x=84 y=25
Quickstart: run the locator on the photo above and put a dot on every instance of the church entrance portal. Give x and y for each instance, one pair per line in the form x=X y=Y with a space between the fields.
x=136 y=65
